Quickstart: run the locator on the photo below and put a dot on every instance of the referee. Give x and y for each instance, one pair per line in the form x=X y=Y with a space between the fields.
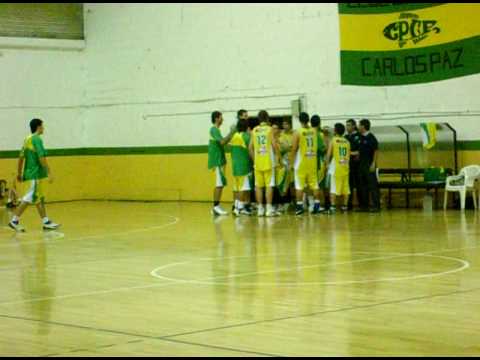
x=368 y=186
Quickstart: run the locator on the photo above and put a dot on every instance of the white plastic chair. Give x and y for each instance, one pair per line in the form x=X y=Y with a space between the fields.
x=463 y=183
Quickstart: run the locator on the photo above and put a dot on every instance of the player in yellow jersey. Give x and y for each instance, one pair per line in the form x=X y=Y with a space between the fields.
x=303 y=158
x=264 y=150
x=286 y=184
x=338 y=157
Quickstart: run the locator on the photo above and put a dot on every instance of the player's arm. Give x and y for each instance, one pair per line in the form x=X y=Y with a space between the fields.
x=276 y=148
x=21 y=161
x=42 y=155
x=329 y=152
x=293 y=151
x=226 y=139
x=375 y=155
x=251 y=148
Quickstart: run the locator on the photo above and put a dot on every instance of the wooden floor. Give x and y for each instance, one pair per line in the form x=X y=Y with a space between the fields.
x=164 y=279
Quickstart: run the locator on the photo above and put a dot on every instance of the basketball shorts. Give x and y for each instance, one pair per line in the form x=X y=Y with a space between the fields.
x=265 y=178
x=33 y=191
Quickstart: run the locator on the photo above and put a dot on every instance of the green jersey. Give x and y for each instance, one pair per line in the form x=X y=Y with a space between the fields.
x=216 y=151
x=241 y=163
x=321 y=149
x=31 y=152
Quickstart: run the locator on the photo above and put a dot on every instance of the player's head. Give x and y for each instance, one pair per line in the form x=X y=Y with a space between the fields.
x=36 y=126
x=304 y=118
x=252 y=122
x=326 y=131
x=217 y=118
x=287 y=123
x=315 y=121
x=364 y=125
x=351 y=125
x=263 y=117
x=339 y=129
x=242 y=125
x=242 y=114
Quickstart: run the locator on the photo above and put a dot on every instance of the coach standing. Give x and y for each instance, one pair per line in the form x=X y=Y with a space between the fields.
x=368 y=150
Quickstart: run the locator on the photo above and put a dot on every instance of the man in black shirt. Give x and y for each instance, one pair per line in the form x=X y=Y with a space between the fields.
x=354 y=176
x=368 y=150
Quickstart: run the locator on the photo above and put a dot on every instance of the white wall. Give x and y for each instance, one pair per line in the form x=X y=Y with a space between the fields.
x=152 y=73
x=41 y=83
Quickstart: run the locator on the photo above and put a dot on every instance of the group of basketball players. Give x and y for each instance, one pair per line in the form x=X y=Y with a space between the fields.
x=275 y=161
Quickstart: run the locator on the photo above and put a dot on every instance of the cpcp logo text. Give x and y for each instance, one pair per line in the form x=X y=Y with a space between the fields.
x=410 y=28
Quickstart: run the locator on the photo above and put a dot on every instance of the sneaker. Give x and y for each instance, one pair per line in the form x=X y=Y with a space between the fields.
x=16 y=226
x=271 y=213
x=236 y=212
x=332 y=211
x=317 y=209
x=299 y=210
x=50 y=225
x=217 y=210
x=260 y=211
x=245 y=211
x=311 y=208
x=345 y=208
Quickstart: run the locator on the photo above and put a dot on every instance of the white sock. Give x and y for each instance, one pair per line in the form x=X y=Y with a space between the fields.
x=240 y=205
x=310 y=200
x=236 y=203
x=317 y=201
x=299 y=203
x=269 y=208
x=45 y=220
x=15 y=218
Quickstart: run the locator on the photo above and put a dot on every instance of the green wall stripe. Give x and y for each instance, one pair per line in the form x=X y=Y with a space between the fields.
x=166 y=150
x=411 y=66
x=381 y=8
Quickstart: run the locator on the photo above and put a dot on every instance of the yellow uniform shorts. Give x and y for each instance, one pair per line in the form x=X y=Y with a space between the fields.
x=265 y=178
x=306 y=177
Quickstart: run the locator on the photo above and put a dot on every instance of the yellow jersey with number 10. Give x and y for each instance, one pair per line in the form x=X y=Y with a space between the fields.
x=262 y=144
x=341 y=155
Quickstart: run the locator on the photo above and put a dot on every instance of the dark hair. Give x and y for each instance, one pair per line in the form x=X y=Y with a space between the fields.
x=242 y=125
x=263 y=116
x=34 y=124
x=287 y=119
x=352 y=122
x=240 y=113
x=365 y=123
x=215 y=116
x=252 y=122
x=315 y=121
x=304 y=118
x=339 y=129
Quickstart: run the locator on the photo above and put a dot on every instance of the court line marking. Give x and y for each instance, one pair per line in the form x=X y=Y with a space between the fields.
x=169 y=337
x=124 y=333
x=123 y=233
x=140 y=287
x=465 y=265
x=349 y=308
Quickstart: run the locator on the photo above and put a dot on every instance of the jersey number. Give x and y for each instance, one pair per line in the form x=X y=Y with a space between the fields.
x=262 y=140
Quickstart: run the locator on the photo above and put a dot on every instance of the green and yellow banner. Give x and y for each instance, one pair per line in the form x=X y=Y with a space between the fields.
x=408 y=43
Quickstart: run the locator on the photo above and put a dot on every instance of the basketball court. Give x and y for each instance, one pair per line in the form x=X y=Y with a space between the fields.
x=239 y=180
